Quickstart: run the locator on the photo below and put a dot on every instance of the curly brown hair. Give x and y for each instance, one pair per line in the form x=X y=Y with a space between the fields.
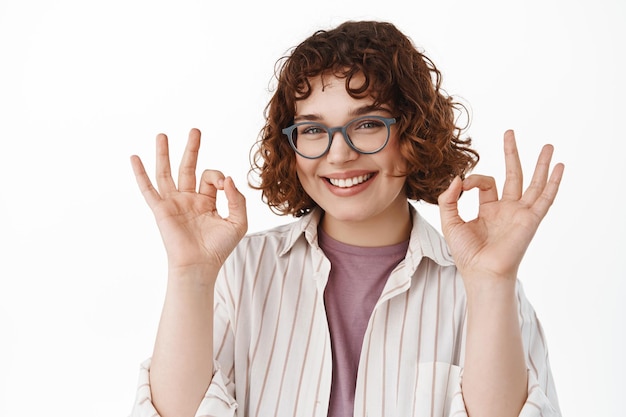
x=395 y=74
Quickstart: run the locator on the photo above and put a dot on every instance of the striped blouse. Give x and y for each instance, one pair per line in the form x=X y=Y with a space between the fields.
x=272 y=343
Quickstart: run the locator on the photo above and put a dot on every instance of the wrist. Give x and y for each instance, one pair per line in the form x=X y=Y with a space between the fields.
x=195 y=277
x=490 y=292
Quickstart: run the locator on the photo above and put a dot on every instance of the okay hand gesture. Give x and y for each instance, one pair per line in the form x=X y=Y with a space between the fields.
x=493 y=244
x=193 y=232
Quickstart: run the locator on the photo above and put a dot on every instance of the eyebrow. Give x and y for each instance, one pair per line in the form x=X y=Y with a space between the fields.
x=355 y=112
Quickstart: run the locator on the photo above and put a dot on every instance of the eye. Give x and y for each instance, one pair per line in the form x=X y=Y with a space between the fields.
x=312 y=130
x=369 y=124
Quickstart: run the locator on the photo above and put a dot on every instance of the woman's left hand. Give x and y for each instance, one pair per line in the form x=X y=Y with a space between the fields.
x=493 y=244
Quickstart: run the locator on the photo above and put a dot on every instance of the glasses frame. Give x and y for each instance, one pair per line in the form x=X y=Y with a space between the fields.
x=388 y=121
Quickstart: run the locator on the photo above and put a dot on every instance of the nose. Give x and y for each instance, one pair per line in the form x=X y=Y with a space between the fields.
x=340 y=151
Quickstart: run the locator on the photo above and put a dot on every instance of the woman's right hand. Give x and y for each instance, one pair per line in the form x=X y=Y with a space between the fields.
x=193 y=232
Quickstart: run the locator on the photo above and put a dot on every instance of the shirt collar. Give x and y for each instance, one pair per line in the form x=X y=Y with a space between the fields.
x=425 y=240
x=306 y=226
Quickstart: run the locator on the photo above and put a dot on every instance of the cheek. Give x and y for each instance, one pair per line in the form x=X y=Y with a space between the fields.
x=395 y=159
x=304 y=167
x=305 y=172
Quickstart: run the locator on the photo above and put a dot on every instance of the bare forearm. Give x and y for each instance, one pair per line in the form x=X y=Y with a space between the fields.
x=494 y=376
x=182 y=361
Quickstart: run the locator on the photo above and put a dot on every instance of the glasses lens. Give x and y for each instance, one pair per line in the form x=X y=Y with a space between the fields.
x=368 y=134
x=310 y=139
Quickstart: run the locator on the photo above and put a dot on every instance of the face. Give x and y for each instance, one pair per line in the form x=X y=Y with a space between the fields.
x=350 y=187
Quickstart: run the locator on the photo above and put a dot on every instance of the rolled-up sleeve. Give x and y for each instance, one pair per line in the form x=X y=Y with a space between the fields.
x=217 y=402
x=542 y=400
x=537 y=403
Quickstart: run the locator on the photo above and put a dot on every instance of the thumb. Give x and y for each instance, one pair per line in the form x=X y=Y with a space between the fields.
x=448 y=205
x=237 y=213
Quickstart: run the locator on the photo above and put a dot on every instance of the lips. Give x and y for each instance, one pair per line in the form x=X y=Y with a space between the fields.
x=349 y=182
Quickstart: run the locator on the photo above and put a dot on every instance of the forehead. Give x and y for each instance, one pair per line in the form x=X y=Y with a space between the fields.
x=329 y=96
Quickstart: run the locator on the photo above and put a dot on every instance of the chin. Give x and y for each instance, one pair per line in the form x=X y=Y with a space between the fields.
x=347 y=215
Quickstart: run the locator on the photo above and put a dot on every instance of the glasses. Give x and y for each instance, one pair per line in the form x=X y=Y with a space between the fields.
x=366 y=135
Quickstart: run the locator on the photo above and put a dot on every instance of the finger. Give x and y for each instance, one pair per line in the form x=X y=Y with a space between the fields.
x=448 y=205
x=545 y=200
x=237 y=212
x=151 y=195
x=164 y=180
x=210 y=182
x=514 y=181
x=187 y=169
x=540 y=176
x=488 y=192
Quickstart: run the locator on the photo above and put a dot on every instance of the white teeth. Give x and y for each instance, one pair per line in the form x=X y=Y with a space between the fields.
x=349 y=182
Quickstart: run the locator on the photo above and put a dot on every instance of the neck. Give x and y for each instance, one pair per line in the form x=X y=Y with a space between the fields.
x=385 y=229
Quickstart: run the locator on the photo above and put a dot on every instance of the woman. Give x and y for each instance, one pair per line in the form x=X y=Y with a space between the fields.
x=360 y=307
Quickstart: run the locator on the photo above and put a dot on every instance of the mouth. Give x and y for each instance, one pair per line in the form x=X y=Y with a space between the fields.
x=349 y=182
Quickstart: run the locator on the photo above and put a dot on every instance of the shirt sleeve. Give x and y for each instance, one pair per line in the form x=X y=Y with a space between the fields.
x=542 y=400
x=218 y=400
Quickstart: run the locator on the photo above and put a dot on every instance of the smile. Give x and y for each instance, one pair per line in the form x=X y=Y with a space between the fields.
x=349 y=182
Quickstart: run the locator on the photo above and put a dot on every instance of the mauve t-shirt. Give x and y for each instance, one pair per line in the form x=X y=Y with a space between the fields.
x=356 y=280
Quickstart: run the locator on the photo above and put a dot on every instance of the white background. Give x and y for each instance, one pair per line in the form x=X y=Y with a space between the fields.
x=85 y=84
